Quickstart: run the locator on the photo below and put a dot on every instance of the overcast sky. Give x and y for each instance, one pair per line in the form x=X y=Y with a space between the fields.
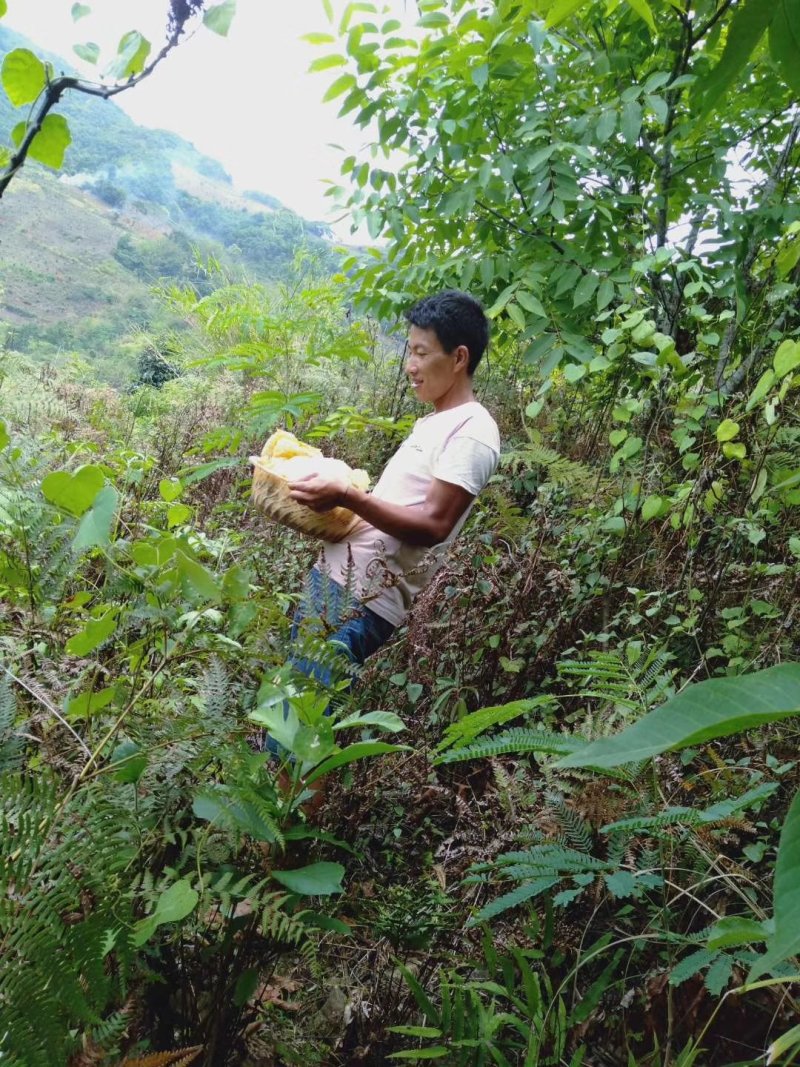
x=247 y=99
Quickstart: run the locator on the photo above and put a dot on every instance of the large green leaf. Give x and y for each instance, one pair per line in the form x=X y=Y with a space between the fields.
x=50 y=143
x=76 y=492
x=94 y=633
x=315 y=880
x=351 y=754
x=89 y=52
x=196 y=579
x=716 y=708
x=23 y=75
x=132 y=54
x=746 y=29
x=219 y=17
x=785 y=942
x=3 y=8
x=95 y=527
x=174 y=904
x=784 y=39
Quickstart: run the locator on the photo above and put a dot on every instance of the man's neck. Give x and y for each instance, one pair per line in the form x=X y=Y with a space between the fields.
x=460 y=393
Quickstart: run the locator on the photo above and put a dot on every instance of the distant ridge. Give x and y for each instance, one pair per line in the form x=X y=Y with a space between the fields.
x=80 y=249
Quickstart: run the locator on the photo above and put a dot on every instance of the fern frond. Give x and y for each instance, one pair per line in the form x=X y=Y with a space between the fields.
x=674 y=816
x=180 y=1057
x=10 y=742
x=523 y=892
x=559 y=470
x=576 y=830
x=461 y=733
x=519 y=740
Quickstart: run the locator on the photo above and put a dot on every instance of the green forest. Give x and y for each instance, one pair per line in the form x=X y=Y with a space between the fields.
x=561 y=823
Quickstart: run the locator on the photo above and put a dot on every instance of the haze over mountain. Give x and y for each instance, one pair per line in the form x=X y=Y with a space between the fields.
x=80 y=250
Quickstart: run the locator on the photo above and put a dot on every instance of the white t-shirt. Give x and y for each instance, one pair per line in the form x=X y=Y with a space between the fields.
x=460 y=446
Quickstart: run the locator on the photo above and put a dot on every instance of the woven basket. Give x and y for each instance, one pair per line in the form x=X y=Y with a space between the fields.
x=270 y=494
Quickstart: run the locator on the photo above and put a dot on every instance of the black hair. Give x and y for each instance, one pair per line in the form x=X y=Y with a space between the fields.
x=457 y=319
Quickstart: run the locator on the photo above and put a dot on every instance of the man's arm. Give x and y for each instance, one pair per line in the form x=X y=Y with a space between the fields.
x=427 y=524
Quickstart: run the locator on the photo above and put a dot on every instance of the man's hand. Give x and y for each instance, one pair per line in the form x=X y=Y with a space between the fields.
x=318 y=492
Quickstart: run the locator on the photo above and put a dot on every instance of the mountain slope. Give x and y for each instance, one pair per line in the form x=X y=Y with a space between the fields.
x=80 y=250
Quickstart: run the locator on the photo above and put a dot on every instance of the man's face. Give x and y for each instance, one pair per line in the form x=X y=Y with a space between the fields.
x=431 y=371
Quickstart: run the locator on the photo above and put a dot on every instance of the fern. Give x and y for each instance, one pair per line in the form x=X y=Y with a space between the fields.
x=559 y=471
x=59 y=899
x=518 y=740
x=179 y=1057
x=10 y=741
x=461 y=733
x=576 y=831
x=611 y=679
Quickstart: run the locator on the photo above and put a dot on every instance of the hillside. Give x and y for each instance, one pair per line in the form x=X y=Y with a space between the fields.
x=81 y=250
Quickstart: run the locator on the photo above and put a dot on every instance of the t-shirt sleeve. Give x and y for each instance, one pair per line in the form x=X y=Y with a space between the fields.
x=467 y=462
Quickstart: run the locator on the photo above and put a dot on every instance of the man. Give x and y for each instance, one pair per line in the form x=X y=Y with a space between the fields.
x=423 y=496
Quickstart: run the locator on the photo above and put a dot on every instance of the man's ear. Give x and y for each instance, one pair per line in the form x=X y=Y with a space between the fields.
x=461 y=354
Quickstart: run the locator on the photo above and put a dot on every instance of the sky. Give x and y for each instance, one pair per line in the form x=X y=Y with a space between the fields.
x=246 y=99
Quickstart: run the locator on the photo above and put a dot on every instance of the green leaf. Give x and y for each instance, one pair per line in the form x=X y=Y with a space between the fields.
x=762 y=387
x=133 y=762
x=219 y=17
x=788 y=1042
x=786 y=358
x=318 y=38
x=94 y=633
x=516 y=314
x=341 y=85
x=605 y=294
x=734 y=450
x=51 y=142
x=746 y=28
x=715 y=708
x=651 y=507
x=197 y=579
x=733 y=930
x=573 y=372
x=562 y=10
x=178 y=514
x=383 y=720
x=327 y=62
x=642 y=9
x=435 y=1052
x=95 y=527
x=76 y=492
x=727 y=430
x=89 y=52
x=89 y=703
x=785 y=942
x=631 y=121
x=169 y=489
x=606 y=125
x=3 y=8
x=132 y=55
x=23 y=76
x=531 y=303
x=4 y=436
x=784 y=39
x=584 y=290
x=80 y=11
x=358 y=751
x=315 y=880
x=621 y=883
x=174 y=904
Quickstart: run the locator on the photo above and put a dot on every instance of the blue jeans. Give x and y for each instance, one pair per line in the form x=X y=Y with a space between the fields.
x=356 y=630
x=326 y=602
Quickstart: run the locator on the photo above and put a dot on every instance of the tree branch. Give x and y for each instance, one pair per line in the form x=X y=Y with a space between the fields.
x=56 y=88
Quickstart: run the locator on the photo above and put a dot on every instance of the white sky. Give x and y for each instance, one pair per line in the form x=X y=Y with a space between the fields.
x=246 y=99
